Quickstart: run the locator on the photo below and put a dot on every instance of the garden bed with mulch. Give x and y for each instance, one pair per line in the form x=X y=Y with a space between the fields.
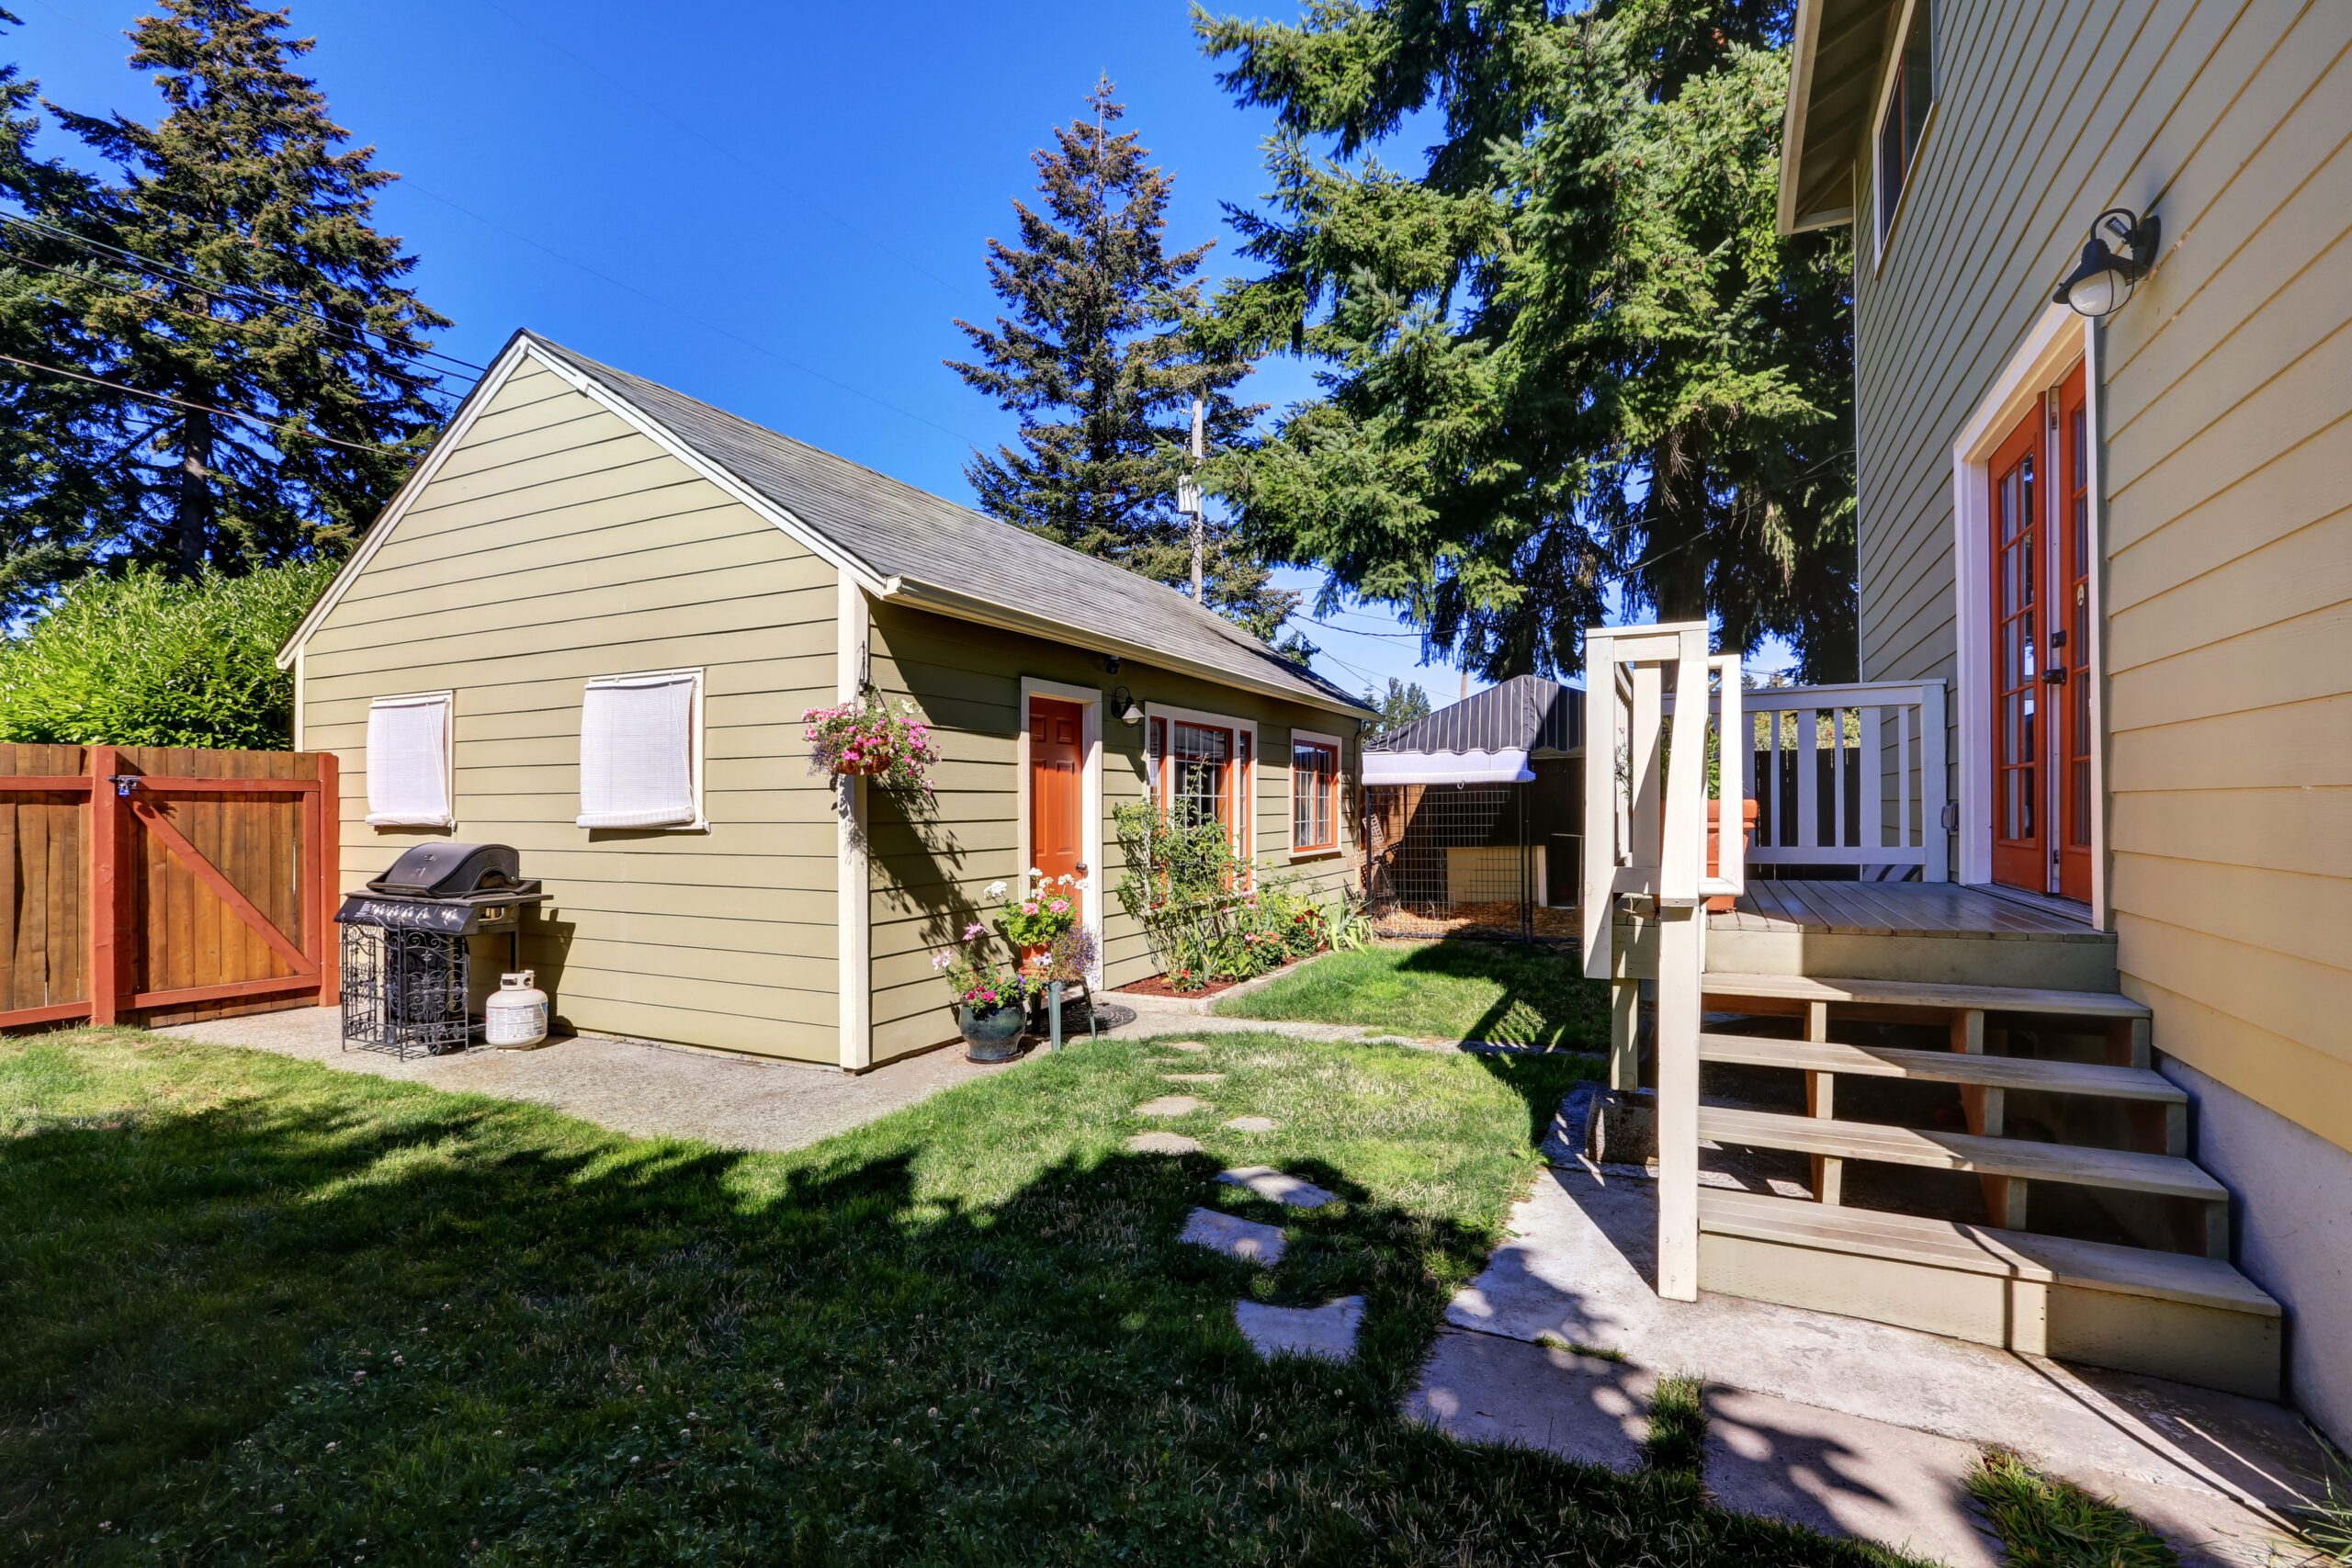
x=1160 y=986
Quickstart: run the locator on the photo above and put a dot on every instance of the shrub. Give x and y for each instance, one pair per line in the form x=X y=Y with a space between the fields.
x=1207 y=914
x=139 y=659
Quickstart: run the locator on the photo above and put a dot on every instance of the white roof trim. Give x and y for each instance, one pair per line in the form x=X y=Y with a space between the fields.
x=1806 y=37
x=519 y=349
x=1446 y=768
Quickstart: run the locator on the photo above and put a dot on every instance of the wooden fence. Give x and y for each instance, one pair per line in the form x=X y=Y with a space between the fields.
x=165 y=883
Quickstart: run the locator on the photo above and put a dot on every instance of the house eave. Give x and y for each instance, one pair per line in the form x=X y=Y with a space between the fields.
x=980 y=612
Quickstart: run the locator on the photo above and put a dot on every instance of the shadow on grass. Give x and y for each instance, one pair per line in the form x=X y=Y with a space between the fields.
x=363 y=1319
x=1545 y=997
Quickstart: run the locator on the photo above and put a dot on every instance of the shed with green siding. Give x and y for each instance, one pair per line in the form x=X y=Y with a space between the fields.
x=574 y=525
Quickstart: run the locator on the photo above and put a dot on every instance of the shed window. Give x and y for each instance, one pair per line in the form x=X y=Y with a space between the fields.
x=640 y=751
x=408 y=760
x=1904 y=118
x=1313 y=794
x=1201 y=773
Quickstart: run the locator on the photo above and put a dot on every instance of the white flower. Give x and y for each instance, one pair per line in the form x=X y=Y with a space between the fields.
x=996 y=889
x=1034 y=872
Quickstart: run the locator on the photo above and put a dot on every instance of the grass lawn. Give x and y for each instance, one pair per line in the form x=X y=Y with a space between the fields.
x=1449 y=990
x=257 y=1309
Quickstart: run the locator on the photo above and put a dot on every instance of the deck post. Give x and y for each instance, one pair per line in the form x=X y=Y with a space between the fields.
x=1677 y=1101
x=1935 y=788
x=1624 y=1035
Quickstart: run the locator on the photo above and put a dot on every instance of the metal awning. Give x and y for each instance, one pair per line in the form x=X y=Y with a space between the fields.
x=1446 y=768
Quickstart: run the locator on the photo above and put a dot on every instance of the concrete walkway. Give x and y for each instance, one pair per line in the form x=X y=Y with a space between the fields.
x=634 y=1087
x=1830 y=1421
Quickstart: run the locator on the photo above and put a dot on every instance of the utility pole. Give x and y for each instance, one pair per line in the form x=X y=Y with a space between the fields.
x=1188 y=499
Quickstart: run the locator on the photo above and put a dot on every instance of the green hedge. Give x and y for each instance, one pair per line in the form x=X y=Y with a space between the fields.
x=140 y=661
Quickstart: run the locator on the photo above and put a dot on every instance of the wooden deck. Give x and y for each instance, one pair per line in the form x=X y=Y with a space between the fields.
x=1941 y=909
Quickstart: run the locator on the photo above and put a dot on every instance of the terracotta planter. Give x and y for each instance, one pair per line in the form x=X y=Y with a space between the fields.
x=864 y=769
x=1714 y=843
x=1035 y=956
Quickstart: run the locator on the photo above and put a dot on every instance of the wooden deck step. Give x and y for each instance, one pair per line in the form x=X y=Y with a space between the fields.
x=2194 y=1319
x=2117 y=1170
x=2137 y=1083
x=1926 y=995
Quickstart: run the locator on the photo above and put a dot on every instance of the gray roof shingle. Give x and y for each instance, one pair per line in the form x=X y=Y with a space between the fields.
x=1526 y=712
x=896 y=530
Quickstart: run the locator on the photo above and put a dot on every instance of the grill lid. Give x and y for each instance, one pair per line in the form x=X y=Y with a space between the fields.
x=451 y=871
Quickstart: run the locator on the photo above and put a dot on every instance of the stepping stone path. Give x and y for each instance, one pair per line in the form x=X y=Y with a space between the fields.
x=1234 y=1236
x=1193 y=1077
x=1253 y=1124
x=1163 y=1144
x=1268 y=1182
x=1327 y=1333
x=1171 y=1105
x=1181 y=1045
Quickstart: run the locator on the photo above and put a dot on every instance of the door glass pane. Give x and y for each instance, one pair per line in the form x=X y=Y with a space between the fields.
x=2012 y=826
x=2078 y=832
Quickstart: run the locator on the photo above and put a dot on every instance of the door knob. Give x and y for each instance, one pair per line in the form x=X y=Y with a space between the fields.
x=1081 y=868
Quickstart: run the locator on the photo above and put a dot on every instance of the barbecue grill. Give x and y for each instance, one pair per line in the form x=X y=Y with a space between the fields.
x=407 y=945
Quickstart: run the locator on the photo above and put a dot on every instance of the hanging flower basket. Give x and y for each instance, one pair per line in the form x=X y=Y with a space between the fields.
x=869 y=740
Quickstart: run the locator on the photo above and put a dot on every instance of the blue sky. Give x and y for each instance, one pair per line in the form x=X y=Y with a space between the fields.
x=752 y=203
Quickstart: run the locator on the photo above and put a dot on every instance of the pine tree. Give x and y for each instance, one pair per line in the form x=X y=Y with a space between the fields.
x=1572 y=355
x=265 y=290
x=47 y=422
x=1090 y=356
x=1401 y=704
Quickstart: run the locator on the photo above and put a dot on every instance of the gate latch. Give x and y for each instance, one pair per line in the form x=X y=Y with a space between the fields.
x=123 y=784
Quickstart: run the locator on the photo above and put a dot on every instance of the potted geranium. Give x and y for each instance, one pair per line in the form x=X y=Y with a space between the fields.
x=869 y=739
x=1032 y=921
x=991 y=1000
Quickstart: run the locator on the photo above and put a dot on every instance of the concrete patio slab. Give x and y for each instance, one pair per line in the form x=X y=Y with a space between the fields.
x=2204 y=1467
x=1163 y=1144
x=631 y=1085
x=1171 y=1105
x=1254 y=1124
x=1181 y=1045
x=1327 y=1333
x=1483 y=1389
x=1845 y=1475
x=1234 y=1236
x=1279 y=1185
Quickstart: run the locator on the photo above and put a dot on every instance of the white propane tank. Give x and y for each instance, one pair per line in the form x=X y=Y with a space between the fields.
x=515 y=1015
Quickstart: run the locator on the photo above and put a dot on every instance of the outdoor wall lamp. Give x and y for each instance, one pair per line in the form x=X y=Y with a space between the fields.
x=1123 y=703
x=2103 y=280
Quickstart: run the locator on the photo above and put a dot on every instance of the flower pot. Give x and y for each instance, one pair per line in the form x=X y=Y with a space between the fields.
x=993 y=1035
x=1723 y=901
x=1035 y=957
x=865 y=768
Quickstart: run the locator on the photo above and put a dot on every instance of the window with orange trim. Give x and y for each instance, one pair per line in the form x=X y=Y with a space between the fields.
x=1314 y=794
x=1200 y=770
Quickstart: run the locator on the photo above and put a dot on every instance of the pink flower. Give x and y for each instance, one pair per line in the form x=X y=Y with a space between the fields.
x=940 y=961
x=1059 y=906
x=974 y=931
x=1030 y=907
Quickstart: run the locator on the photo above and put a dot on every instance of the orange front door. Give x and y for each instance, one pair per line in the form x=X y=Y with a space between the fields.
x=2070 y=643
x=1058 y=788
x=2020 y=857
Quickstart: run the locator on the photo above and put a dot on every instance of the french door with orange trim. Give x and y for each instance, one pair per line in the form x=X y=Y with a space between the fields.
x=2040 y=605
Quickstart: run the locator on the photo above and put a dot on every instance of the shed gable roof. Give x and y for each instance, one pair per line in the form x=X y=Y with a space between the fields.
x=907 y=544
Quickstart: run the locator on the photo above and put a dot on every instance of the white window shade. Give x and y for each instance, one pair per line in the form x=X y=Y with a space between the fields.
x=408 y=762
x=638 y=762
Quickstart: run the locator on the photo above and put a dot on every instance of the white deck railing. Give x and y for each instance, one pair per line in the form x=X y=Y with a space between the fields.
x=1875 y=750
x=1646 y=836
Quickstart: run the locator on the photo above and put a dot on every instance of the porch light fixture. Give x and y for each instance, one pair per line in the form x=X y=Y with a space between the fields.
x=2103 y=280
x=1123 y=703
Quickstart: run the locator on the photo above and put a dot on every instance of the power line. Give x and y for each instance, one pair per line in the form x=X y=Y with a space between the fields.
x=688 y=315
x=756 y=171
x=231 y=291
x=254 y=419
